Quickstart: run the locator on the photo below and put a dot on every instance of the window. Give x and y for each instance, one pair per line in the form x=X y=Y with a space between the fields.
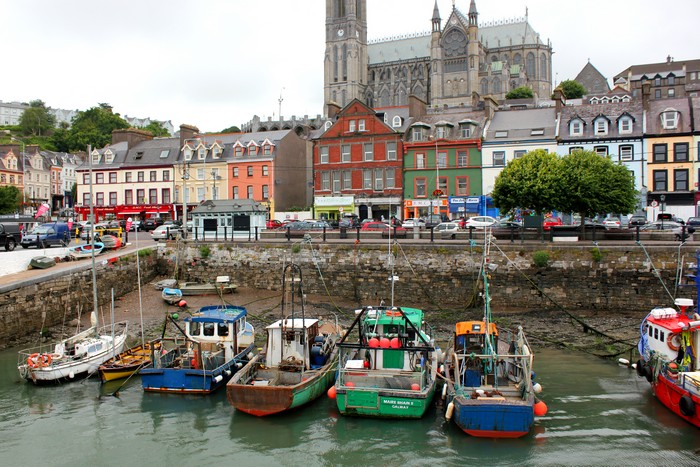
x=660 y=180
x=99 y=199
x=369 y=153
x=361 y=125
x=657 y=93
x=378 y=179
x=680 y=180
x=462 y=186
x=265 y=191
x=420 y=188
x=250 y=192
x=669 y=119
x=323 y=155
x=391 y=151
x=336 y=181
x=657 y=81
x=671 y=92
x=86 y=199
x=660 y=153
x=235 y=172
x=537 y=132
x=671 y=80
x=351 y=125
x=325 y=181
x=265 y=171
x=128 y=179
x=601 y=150
x=442 y=160
x=235 y=192
x=165 y=193
x=267 y=150
x=462 y=158
x=680 y=152
x=626 y=153
x=250 y=170
x=420 y=161
x=625 y=125
x=252 y=151
x=601 y=126
x=153 y=176
x=501 y=134
x=200 y=174
x=465 y=130
x=499 y=158
x=367 y=179
x=166 y=175
x=128 y=197
x=396 y=121
x=519 y=153
x=140 y=196
x=390 y=178
x=347 y=180
x=113 y=177
x=345 y=153
x=99 y=178
x=417 y=134
x=139 y=176
x=112 y=198
x=441 y=132
x=442 y=184
x=238 y=151
x=164 y=153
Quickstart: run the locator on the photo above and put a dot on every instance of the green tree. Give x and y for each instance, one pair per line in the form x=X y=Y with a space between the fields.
x=572 y=89
x=231 y=129
x=10 y=198
x=530 y=182
x=93 y=126
x=595 y=184
x=156 y=129
x=523 y=92
x=36 y=120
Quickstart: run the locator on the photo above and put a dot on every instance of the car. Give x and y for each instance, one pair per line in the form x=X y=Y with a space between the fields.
x=447 y=229
x=413 y=222
x=433 y=220
x=550 y=222
x=273 y=224
x=639 y=221
x=298 y=225
x=349 y=222
x=661 y=225
x=385 y=229
x=166 y=232
x=319 y=226
x=694 y=221
x=151 y=223
x=135 y=226
x=612 y=223
x=479 y=222
x=508 y=225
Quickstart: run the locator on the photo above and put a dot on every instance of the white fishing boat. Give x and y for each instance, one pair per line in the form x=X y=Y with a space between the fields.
x=76 y=356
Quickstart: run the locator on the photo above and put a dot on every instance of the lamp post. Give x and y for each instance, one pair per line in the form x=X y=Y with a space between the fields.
x=185 y=170
x=437 y=191
x=24 y=172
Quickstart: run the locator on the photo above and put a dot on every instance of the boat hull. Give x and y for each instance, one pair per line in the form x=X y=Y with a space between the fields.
x=493 y=419
x=379 y=403
x=125 y=364
x=191 y=380
x=670 y=393
x=267 y=400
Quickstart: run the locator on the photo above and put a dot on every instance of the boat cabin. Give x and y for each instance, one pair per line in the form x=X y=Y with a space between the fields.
x=287 y=340
x=470 y=336
x=217 y=328
x=665 y=329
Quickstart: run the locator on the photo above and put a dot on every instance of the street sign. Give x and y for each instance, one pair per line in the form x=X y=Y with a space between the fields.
x=654 y=204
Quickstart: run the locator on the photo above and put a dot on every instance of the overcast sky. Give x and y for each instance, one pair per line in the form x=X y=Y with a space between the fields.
x=216 y=63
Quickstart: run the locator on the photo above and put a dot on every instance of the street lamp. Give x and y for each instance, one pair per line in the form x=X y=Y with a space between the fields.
x=437 y=193
x=185 y=171
x=24 y=172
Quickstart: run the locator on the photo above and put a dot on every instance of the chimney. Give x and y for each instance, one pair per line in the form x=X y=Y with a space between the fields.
x=559 y=101
x=646 y=92
x=416 y=106
x=475 y=99
x=132 y=136
x=31 y=149
x=333 y=110
x=187 y=132
x=490 y=106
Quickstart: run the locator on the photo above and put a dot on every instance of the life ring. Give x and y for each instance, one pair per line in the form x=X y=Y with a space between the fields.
x=37 y=360
x=687 y=406
x=674 y=341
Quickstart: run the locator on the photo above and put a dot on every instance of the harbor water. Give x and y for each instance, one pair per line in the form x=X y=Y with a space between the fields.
x=600 y=413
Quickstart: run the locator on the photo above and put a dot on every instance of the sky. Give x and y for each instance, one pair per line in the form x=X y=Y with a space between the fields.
x=217 y=63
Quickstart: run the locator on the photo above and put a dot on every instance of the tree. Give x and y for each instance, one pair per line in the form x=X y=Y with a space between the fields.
x=595 y=184
x=572 y=89
x=530 y=182
x=10 y=199
x=523 y=92
x=93 y=126
x=231 y=129
x=36 y=120
x=156 y=129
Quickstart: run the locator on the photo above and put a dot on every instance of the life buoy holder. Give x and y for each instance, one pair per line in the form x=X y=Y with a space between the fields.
x=674 y=341
x=37 y=360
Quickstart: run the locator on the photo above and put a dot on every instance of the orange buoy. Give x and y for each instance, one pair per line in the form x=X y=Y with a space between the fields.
x=331 y=392
x=350 y=384
x=415 y=387
x=540 y=409
x=395 y=343
x=373 y=343
x=384 y=343
x=366 y=364
x=182 y=303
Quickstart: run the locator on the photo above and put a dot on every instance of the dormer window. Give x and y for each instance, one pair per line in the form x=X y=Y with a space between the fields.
x=625 y=125
x=327 y=125
x=601 y=126
x=396 y=122
x=216 y=150
x=188 y=153
x=95 y=157
x=576 y=127
x=267 y=150
x=417 y=133
x=501 y=134
x=201 y=153
x=669 y=119
x=466 y=128
x=252 y=150
x=238 y=150
x=109 y=156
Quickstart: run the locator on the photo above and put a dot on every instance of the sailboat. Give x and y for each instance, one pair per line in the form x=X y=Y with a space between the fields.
x=298 y=364
x=388 y=362
x=489 y=389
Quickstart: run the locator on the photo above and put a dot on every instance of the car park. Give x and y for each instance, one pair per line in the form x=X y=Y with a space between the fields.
x=479 y=222
x=385 y=229
x=413 y=222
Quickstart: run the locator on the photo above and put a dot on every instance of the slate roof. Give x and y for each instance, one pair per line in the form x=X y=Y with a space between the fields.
x=650 y=70
x=611 y=110
x=452 y=116
x=520 y=123
x=657 y=106
x=243 y=205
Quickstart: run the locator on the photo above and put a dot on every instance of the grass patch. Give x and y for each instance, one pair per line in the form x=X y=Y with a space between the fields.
x=204 y=251
x=596 y=255
x=541 y=259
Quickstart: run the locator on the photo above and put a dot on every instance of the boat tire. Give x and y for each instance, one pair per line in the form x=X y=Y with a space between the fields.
x=641 y=372
x=687 y=406
x=648 y=373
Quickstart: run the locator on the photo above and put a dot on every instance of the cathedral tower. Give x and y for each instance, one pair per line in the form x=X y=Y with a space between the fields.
x=345 y=63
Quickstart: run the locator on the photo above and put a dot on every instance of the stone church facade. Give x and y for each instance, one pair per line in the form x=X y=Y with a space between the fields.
x=446 y=66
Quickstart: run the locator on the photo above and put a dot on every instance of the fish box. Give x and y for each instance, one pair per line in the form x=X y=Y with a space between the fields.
x=691 y=382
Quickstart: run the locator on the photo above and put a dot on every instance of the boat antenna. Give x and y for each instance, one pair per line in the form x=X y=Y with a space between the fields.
x=92 y=234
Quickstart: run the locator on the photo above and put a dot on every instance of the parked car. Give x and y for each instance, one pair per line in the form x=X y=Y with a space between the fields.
x=320 y=225
x=166 y=232
x=612 y=223
x=273 y=224
x=694 y=221
x=298 y=225
x=433 y=220
x=349 y=222
x=508 y=225
x=151 y=223
x=479 y=222
x=639 y=221
x=135 y=226
x=385 y=229
x=550 y=222
x=413 y=222
x=45 y=235
x=447 y=229
x=661 y=225
x=10 y=236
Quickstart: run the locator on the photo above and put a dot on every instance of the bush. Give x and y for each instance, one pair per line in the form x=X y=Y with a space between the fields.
x=541 y=259
x=596 y=254
x=204 y=251
x=296 y=248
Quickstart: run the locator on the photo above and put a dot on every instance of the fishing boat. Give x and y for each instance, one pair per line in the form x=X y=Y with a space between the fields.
x=215 y=343
x=111 y=242
x=171 y=296
x=86 y=250
x=668 y=347
x=298 y=363
x=125 y=364
x=489 y=391
x=221 y=286
x=42 y=262
x=76 y=356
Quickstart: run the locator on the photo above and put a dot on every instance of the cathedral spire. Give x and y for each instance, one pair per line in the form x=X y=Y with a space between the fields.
x=473 y=14
x=436 y=18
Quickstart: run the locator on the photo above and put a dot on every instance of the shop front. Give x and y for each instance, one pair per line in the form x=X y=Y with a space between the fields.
x=333 y=207
x=423 y=207
x=123 y=211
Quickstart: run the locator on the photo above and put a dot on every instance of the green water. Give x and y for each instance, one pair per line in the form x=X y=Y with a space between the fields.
x=599 y=414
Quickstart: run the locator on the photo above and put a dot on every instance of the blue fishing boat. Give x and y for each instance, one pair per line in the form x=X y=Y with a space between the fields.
x=489 y=388
x=215 y=343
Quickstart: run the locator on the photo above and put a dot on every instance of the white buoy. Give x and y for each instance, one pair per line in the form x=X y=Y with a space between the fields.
x=71 y=375
x=537 y=387
x=218 y=378
x=228 y=372
x=633 y=366
x=444 y=391
x=623 y=361
x=450 y=410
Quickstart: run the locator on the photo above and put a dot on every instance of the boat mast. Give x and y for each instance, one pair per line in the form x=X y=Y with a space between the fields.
x=92 y=235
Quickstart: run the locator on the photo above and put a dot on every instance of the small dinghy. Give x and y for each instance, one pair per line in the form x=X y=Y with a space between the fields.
x=42 y=262
x=111 y=242
x=85 y=251
x=171 y=296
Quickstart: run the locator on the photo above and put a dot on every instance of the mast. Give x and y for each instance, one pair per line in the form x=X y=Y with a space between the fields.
x=92 y=235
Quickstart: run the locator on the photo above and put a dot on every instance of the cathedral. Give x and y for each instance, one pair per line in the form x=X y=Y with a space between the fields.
x=446 y=66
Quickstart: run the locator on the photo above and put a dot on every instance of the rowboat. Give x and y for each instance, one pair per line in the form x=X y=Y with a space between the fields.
x=221 y=286
x=126 y=363
x=297 y=366
x=111 y=242
x=42 y=262
x=85 y=251
x=171 y=296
